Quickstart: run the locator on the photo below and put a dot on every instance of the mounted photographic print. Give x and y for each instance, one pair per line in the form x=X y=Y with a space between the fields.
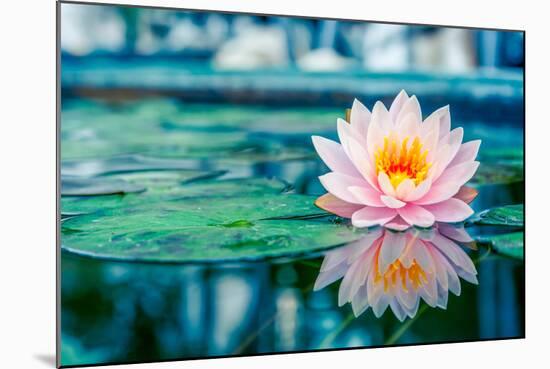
x=237 y=184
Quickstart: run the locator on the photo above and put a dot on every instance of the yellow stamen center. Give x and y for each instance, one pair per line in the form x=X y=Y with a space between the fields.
x=401 y=162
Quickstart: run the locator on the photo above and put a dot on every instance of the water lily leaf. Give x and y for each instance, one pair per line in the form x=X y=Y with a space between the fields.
x=510 y=215
x=502 y=154
x=166 y=129
x=304 y=121
x=71 y=186
x=498 y=173
x=165 y=181
x=203 y=229
x=510 y=244
x=120 y=164
x=168 y=186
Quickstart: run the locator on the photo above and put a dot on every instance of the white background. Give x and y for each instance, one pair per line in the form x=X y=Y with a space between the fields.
x=27 y=192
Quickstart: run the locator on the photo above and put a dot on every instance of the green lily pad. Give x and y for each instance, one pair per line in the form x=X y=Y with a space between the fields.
x=498 y=173
x=97 y=186
x=168 y=130
x=503 y=154
x=120 y=164
x=510 y=244
x=206 y=229
x=163 y=186
x=509 y=215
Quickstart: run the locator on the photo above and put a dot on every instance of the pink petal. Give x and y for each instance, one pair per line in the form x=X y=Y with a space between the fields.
x=408 y=126
x=429 y=292
x=404 y=189
x=426 y=234
x=449 y=183
x=422 y=256
x=398 y=310
x=397 y=104
x=380 y=305
x=374 y=290
x=441 y=159
x=438 y=194
x=440 y=271
x=336 y=257
x=397 y=224
x=454 y=253
x=416 y=215
x=392 y=247
x=467 y=276
x=445 y=121
x=367 y=196
x=357 y=276
x=442 y=297
x=333 y=155
x=430 y=126
x=465 y=263
x=334 y=205
x=345 y=292
x=379 y=127
x=453 y=140
x=331 y=276
x=392 y=202
x=378 y=300
x=370 y=216
x=344 y=133
x=408 y=297
x=451 y=210
x=410 y=107
x=453 y=283
x=338 y=184
x=360 y=302
x=406 y=256
x=360 y=119
x=420 y=190
x=466 y=194
x=447 y=247
x=444 y=116
x=381 y=116
x=467 y=152
x=430 y=143
x=361 y=160
x=385 y=184
x=365 y=243
x=458 y=234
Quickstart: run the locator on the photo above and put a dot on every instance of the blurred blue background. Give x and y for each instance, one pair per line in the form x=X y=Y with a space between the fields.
x=218 y=57
x=248 y=42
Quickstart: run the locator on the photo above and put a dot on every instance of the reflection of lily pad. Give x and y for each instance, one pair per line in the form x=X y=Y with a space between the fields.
x=510 y=244
x=491 y=173
x=97 y=186
x=203 y=229
x=510 y=215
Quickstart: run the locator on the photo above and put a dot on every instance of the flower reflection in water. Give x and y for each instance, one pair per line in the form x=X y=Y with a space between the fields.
x=397 y=269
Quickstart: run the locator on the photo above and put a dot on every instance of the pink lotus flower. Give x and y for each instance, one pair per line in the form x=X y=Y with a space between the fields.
x=397 y=269
x=393 y=169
